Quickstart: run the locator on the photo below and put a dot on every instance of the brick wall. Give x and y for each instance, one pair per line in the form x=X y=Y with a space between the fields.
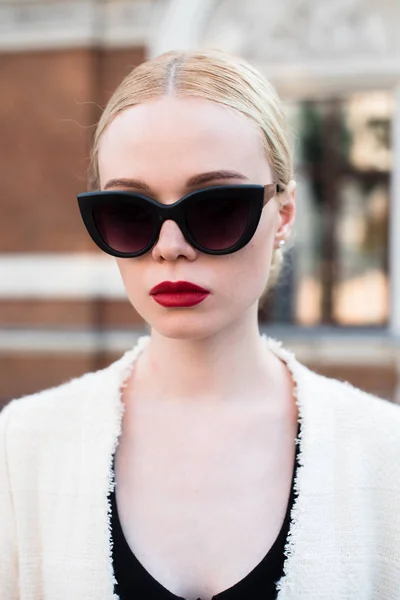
x=48 y=103
x=97 y=313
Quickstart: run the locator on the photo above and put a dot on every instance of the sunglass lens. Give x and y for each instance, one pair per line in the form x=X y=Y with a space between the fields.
x=218 y=221
x=124 y=226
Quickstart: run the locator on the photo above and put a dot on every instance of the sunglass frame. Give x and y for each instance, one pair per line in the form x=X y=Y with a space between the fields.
x=258 y=196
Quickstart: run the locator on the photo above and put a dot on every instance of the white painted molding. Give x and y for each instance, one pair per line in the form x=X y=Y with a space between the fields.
x=44 y=25
x=300 y=30
x=319 y=79
x=131 y=22
x=79 y=342
x=190 y=25
x=327 y=349
x=28 y=25
x=66 y=276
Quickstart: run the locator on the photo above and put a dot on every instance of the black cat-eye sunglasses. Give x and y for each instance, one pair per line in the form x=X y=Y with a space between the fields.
x=215 y=220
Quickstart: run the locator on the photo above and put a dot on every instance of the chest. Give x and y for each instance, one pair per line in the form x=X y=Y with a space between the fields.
x=200 y=505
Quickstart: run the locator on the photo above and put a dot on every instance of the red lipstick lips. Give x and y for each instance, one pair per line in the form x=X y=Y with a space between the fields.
x=178 y=294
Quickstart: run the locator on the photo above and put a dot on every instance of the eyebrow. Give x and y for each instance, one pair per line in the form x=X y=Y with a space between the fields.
x=191 y=182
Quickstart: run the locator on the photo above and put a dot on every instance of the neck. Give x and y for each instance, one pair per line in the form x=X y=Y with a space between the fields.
x=232 y=365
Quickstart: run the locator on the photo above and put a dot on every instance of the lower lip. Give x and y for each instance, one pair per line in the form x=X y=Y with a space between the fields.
x=181 y=299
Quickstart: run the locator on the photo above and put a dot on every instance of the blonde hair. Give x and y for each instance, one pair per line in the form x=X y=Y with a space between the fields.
x=212 y=75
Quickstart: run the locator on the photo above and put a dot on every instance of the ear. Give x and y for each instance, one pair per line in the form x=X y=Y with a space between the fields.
x=287 y=211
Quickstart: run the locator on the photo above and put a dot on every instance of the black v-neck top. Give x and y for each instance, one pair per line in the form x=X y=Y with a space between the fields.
x=134 y=581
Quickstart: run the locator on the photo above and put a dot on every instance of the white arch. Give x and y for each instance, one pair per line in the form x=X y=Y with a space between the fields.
x=182 y=26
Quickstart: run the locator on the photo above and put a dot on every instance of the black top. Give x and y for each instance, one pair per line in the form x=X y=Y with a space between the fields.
x=134 y=581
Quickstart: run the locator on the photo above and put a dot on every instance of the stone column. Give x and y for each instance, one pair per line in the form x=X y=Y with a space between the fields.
x=182 y=27
x=394 y=231
x=394 y=239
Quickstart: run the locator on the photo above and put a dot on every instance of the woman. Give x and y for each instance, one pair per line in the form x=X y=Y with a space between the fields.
x=207 y=462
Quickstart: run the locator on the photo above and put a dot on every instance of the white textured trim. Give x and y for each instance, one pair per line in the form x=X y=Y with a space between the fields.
x=294 y=368
x=59 y=276
x=126 y=365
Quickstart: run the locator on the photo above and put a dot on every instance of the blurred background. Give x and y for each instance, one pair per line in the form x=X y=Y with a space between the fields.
x=336 y=63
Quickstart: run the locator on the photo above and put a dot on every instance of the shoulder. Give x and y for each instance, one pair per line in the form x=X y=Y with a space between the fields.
x=63 y=395
x=46 y=427
x=356 y=414
x=318 y=390
x=345 y=394
x=62 y=403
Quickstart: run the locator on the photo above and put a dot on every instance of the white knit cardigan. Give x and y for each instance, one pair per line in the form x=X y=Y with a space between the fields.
x=56 y=451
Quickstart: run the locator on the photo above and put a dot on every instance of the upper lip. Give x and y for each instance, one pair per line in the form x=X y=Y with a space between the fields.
x=176 y=287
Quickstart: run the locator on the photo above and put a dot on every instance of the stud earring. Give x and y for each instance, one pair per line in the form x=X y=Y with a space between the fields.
x=281 y=243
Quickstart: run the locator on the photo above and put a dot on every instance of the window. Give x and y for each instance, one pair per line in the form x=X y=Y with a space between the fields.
x=337 y=271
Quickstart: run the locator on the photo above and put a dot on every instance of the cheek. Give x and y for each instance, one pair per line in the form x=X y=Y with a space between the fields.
x=258 y=252
x=247 y=270
x=132 y=276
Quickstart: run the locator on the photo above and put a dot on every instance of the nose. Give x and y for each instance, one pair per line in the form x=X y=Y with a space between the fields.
x=172 y=243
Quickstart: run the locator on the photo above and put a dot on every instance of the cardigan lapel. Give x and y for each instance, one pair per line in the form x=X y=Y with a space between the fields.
x=328 y=550
x=312 y=517
x=103 y=411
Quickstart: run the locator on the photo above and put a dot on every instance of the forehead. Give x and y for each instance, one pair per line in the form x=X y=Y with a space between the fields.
x=170 y=139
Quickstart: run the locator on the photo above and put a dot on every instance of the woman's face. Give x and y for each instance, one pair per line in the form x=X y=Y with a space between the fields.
x=162 y=144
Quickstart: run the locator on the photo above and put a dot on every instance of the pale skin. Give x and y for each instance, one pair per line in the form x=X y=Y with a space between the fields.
x=206 y=454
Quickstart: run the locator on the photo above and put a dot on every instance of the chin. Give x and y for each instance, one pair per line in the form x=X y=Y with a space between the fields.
x=193 y=323
x=183 y=328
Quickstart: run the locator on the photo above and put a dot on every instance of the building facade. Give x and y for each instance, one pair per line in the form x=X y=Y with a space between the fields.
x=336 y=64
